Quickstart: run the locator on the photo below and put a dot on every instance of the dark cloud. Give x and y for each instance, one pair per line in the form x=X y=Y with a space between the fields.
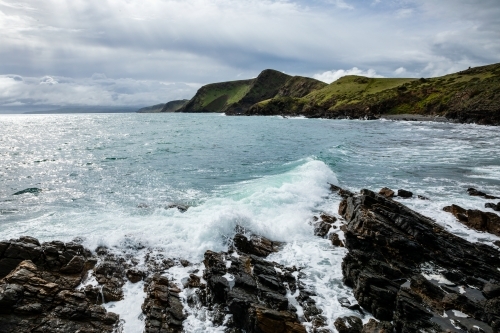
x=69 y=44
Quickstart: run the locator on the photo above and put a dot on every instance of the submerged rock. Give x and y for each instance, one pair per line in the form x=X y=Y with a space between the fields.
x=407 y=269
x=180 y=208
x=476 y=193
x=33 y=190
x=405 y=194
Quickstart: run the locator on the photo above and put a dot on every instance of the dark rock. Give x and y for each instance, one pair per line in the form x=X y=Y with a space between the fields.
x=386 y=192
x=134 y=275
x=476 y=193
x=497 y=243
x=321 y=228
x=32 y=190
x=405 y=194
x=328 y=218
x=495 y=207
x=334 y=238
x=33 y=299
x=348 y=324
x=391 y=248
x=340 y=191
x=421 y=197
x=259 y=246
x=181 y=208
x=374 y=326
x=491 y=290
x=162 y=308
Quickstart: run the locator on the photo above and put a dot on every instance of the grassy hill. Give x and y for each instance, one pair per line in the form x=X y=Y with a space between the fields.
x=173 y=106
x=472 y=95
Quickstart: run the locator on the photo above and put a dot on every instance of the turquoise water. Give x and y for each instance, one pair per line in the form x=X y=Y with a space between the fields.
x=109 y=178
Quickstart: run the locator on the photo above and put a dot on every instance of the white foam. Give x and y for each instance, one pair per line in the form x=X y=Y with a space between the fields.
x=129 y=309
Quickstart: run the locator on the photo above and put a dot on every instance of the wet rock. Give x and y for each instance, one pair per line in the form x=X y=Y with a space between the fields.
x=348 y=325
x=491 y=290
x=405 y=194
x=162 y=307
x=340 y=191
x=421 y=197
x=386 y=192
x=256 y=245
x=134 y=275
x=335 y=239
x=374 y=326
x=495 y=207
x=476 y=219
x=110 y=273
x=328 y=218
x=33 y=299
x=253 y=289
x=396 y=262
x=32 y=190
x=180 y=208
x=497 y=243
x=321 y=228
x=477 y=193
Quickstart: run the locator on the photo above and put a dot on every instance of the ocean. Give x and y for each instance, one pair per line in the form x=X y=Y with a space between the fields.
x=108 y=179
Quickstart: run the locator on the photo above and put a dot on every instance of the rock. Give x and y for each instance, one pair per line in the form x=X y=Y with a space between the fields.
x=340 y=191
x=32 y=190
x=33 y=299
x=394 y=252
x=162 y=307
x=321 y=228
x=259 y=246
x=421 y=197
x=497 y=243
x=328 y=218
x=374 y=326
x=476 y=219
x=134 y=275
x=405 y=194
x=491 y=290
x=334 y=238
x=181 y=208
x=476 y=193
x=348 y=324
x=386 y=192
x=495 y=207
x=253 y=291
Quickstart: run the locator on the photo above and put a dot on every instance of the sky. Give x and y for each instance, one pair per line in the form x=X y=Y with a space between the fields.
x=139 y=53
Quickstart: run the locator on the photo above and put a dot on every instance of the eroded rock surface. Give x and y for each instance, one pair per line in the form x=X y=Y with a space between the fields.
x=405 y=268
x=39 y=295
x=476 y=219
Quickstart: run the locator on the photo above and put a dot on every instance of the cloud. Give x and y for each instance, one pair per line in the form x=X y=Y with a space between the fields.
x=400 y=71
x=205 y=41
x=330 y=76
x=63 y=91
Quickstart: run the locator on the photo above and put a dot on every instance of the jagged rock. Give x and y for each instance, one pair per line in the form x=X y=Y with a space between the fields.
x=134 y=275
x=421 y=197
x=340 y=191
x=495 y=207
x=393 y=254
x=386 y=192
x=328 y=218
x=162 y=307
x=491 y=290
x=181 y=208
x=348 y=324
x=33 y=299
x=374 y=326
x=254 y=289
x=476 y=219
x=335 y=239
x=256 y=245
x=405 y=194
x=476 y=193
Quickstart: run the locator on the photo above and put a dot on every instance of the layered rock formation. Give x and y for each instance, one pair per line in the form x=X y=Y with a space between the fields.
x=406 y=269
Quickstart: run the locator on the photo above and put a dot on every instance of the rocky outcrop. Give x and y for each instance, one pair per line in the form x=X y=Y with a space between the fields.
x=255 y=291
x=405 y=268
x=162 y=308
x=476 y=219
x=39 y=295
x=476 y=193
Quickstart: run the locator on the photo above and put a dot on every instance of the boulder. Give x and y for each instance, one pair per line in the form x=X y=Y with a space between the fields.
x=386 y=192
x=476 y=219
x=494 y=206
x=348 y=325
x=405 y=194
x=374 y=326
x=256 y=245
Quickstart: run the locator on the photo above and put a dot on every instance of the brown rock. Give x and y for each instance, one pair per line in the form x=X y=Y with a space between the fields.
x=348 y=325
x=386 y=192
x=328 y=218
x=335 y=239
x=259 y=246
x=374 y=326
x=134 y=275
x=457 y=211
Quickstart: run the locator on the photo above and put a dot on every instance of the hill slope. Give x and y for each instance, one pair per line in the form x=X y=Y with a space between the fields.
x=173 y=106
x=472 y=95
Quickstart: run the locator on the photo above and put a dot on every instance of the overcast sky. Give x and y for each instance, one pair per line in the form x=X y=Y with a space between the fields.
x=133 y=52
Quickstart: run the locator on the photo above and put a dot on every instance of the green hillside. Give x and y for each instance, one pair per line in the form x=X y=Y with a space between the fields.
x=173 y=106
x=472 y=95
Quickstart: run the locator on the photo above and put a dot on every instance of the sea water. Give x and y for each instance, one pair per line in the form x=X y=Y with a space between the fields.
x=108 y=179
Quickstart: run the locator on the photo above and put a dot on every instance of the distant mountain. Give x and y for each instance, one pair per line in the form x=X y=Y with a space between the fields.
x=174 y=106
x=86 y=109
x=151 y=109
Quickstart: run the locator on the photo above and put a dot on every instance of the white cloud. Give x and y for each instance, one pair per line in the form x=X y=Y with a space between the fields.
x=63 y=91
x=330 y=76
x=400 y=71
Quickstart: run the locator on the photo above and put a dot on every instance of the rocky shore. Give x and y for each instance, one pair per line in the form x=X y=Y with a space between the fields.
x=407 y=273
